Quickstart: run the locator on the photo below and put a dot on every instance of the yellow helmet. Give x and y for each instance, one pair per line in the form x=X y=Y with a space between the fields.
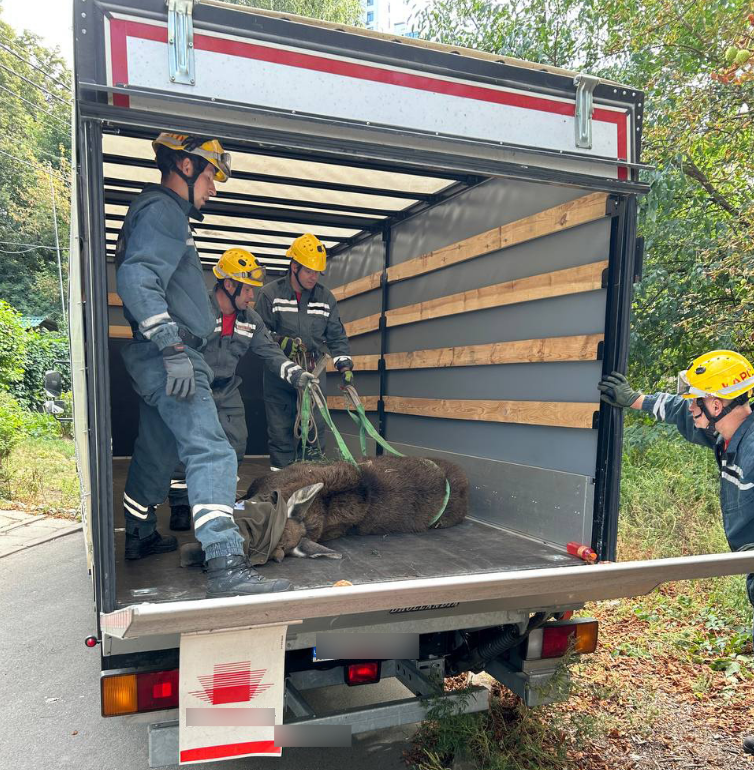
x=720 y=373
x=209 y=149
x=239 y=265
x=308 y=251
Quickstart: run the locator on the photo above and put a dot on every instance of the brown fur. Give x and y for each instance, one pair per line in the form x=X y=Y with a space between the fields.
x=383 y=495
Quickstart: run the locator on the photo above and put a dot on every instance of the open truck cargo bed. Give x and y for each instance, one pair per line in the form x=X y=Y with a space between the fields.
x=473 y=547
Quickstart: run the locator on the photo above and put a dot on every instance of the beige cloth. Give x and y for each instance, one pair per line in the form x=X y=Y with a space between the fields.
x=261 y=525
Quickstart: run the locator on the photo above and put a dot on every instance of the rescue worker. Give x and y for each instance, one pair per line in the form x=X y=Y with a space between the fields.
x=237 y=330
x=160 y=280
x=303 y=318
x=711 y=408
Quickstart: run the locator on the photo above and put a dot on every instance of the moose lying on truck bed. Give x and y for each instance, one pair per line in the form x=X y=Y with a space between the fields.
x=322 y=502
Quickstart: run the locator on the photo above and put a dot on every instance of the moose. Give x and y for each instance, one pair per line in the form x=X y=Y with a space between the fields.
x=379 y=496
x=291 y=512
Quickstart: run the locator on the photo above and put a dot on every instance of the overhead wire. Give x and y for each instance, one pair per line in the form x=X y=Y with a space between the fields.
x=47 y=74
x=36 y=106
x=36 y=85
x=38 y=167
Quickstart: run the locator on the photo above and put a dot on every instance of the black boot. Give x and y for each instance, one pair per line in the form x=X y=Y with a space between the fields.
x=180 y=518
x=232 y=576
x=748 y=744
x=138 y=548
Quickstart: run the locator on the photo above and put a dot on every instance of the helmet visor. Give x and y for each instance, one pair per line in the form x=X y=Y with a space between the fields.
x=683 y=387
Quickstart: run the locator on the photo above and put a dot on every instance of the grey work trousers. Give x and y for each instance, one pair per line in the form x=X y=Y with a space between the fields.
x=185 y=430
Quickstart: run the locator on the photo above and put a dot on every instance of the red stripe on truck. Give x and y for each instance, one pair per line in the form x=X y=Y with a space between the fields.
x=121 y=29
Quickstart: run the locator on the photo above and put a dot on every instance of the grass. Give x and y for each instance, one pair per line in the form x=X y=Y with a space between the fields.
x=40 y=475
x=690 y=639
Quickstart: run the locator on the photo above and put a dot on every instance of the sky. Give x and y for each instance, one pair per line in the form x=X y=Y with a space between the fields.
x=51 y=19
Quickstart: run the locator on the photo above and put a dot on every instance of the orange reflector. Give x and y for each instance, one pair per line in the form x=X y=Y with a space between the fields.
x=119 y=695
x=586 y=637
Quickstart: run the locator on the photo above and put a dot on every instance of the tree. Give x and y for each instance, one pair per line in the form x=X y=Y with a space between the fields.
x=34 y=150
x=12 y=346
x=698 y=219
x=338 y=11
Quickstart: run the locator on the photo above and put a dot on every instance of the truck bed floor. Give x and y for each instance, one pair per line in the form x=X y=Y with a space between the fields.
x=471 y=547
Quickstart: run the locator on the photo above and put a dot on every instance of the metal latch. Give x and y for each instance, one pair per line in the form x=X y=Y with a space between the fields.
x=585 y=85
x=181 y=40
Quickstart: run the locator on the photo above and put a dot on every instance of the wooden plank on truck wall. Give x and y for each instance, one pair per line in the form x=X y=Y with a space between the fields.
x=114 y=300
x=368 y=363
x=577 y=348
x=560 y=414
x=362 y=325
x=339 y=402
x=360 y=286
x=121 y=332
x=572 y=280
x=553 y=220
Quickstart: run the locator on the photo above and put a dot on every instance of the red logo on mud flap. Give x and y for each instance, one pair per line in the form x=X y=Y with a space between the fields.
x=231 y=683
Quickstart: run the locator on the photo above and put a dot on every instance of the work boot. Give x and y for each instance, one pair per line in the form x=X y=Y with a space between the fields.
x=748 y=744
x=180 y=518
x=138 y=548
x=232 y=576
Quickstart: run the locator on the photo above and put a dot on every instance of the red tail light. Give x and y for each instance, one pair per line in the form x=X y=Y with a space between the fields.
x=363 y=673
x=137 y=693
x=553 y=640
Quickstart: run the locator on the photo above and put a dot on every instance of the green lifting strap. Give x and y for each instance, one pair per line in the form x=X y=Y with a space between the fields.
x=366 y=427
x=321 y=404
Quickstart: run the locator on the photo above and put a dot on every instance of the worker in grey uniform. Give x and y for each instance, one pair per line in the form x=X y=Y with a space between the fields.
x=238 y=330
x=711 y=408
x=303 y=318
x=161 y=282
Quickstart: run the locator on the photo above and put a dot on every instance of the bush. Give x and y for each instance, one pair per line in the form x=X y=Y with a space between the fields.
x=44 y=351
x=13 y=339
x=40 y=425
x=11 y=430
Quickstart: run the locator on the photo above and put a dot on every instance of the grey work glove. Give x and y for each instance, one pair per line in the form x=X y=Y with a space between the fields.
x=303 y=380
x=616 y=390
x=181 y=382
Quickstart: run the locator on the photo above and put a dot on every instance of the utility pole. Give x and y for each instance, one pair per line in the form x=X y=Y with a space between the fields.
x=57 y=247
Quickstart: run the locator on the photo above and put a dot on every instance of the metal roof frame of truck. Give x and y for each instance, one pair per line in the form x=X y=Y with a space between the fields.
x=122 y=98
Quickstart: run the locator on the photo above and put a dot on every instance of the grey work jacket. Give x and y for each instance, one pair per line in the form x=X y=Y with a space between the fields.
x=315 y=319
x=249 y=334
x=736 y=464
x=158 y=273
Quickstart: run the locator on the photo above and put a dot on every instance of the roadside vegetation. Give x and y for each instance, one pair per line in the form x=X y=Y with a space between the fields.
x=671 y=680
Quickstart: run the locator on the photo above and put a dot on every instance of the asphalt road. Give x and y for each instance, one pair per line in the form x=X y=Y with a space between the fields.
x=49 y=704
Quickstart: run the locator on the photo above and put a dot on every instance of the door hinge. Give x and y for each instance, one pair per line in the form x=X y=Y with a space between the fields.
x=181 y=41
x=585 y=85
x=639 y=259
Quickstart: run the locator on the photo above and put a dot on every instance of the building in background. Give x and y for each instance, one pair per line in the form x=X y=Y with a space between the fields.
x=392 y=16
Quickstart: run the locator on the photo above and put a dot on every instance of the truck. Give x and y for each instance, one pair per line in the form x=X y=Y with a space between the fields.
x=480 y=216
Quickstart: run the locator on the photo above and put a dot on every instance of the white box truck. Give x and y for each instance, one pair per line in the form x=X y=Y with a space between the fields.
x=480 y=218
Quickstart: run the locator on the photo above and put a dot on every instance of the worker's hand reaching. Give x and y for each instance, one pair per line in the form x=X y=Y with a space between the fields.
x=616 y=390
x=180 y=371
x=304 y=379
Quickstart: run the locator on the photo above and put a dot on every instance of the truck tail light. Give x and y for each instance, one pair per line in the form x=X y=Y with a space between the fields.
x=363 y=673
x=553 y=640
x=137 y=693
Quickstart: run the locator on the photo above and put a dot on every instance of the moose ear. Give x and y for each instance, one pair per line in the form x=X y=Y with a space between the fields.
x=301 y=499
x=308 y=549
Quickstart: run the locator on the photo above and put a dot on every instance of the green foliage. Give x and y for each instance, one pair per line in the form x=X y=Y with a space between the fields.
x=35 y=152
x=12 y=346
x=338 y=11
x=11 y=424
x=669 y=495
x=44 y=351
x=698 y=219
